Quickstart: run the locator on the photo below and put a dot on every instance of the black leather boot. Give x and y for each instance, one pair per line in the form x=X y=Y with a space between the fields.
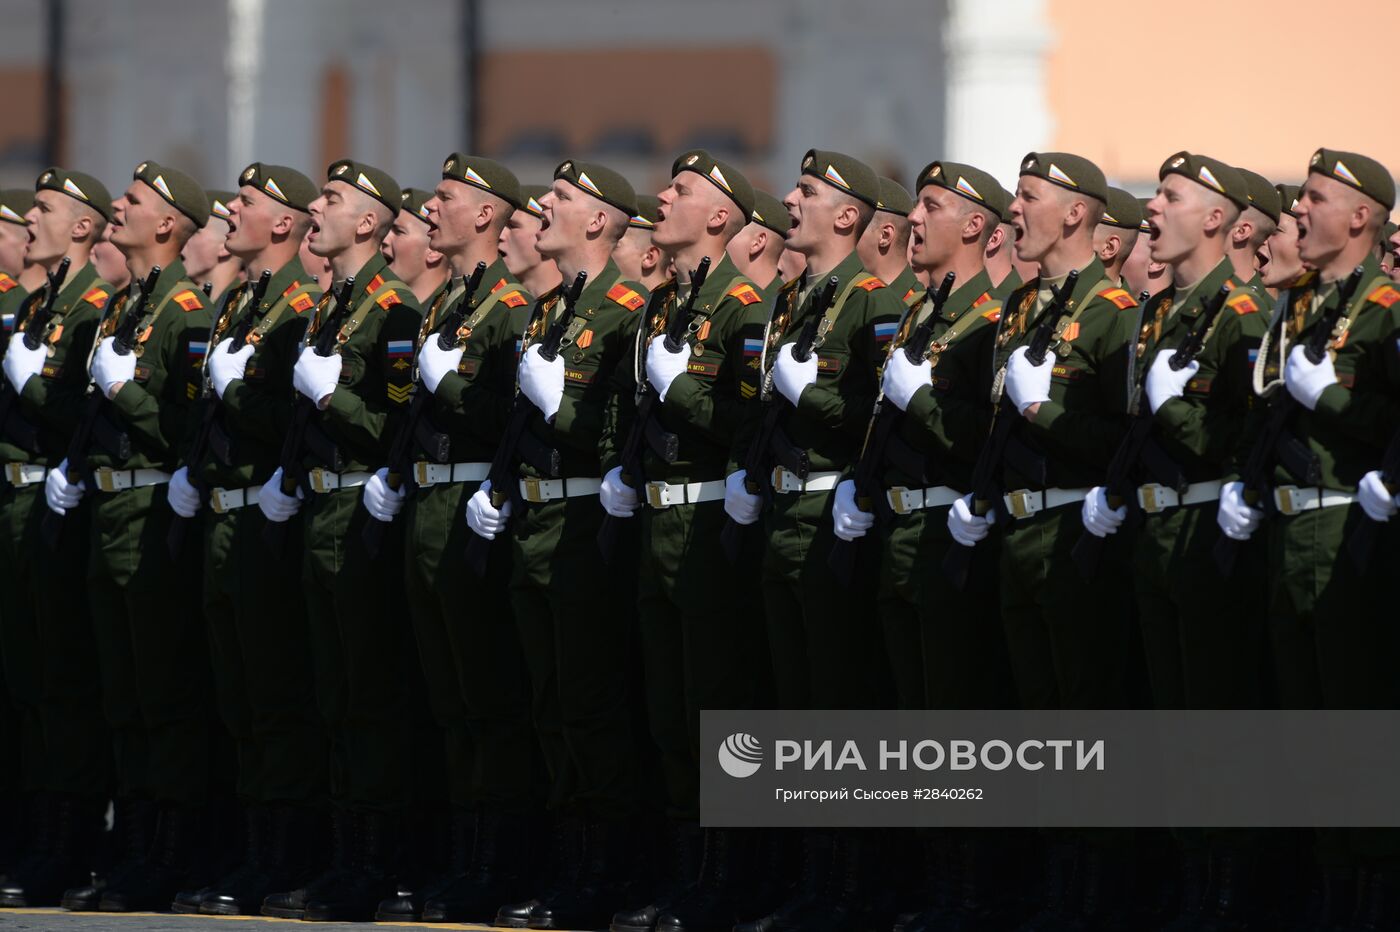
x=1061 y=889
x=603 y=882
x=808 y=901
x=355 y=894
x=413 y=894
x=565 y=862
x=678 y=872
x=497 y=873
x=713 y=902
x=254 y=835
x=154 y=883
x=136 y=825
x=64 y=838
x=283 y=860
x=292 y=903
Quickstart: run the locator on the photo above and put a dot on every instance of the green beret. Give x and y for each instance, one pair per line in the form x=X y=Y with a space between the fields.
x=1389 y=230
x=281 y=183
x=1071 y=172
x=218 y=204
x=1263 y=196
x=530 y=195
x=1145 y=226
x=647 y=214
x=601 y=182
x=721 y=174
x=972 y=183
x=894 y=198
x=178 y=189
x=78 y=186
x=14 y=204
x=414 y=200
x=484 y=174
x=1361 y=172
x=844 y=173
x=1123 y=210
x=377 y=184
x=1211 y=174
x=1288 y=198
x=770 y=212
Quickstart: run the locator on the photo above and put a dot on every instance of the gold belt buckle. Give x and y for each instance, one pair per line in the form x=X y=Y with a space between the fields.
x=1149 y=498
x=15 y=473
x=531 y=490
x=656 y=495
x=896 y=500
x=776 y=480
x=1019 y=502
x=318 y=480
x=420 y=472
x=105 y=477
x=1283 y=498
x=216 y=501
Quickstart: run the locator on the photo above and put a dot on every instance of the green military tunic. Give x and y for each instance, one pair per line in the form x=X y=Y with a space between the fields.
x=252 y=599
x=690 y=626
x=823 y=655
x=1203 y=637
x=1010 y=283
x=359 y=635
x=475 y=675
x=941 y=651
x=575 y=617
x=1066 y=651
x=46 y=631
x=154 y=661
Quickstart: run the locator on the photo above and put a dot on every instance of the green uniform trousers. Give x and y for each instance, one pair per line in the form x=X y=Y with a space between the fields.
x=152 y=649
x=361 y=649
x=577 y=623
x=827 y=650
x=946 y=647
x=1204 y=636
x=1071 y=643
x=476 y=683
x=262 y=658
x=696 y=632
x=20 y=653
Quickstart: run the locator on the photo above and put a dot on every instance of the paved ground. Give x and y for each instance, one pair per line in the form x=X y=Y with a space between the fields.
x=55 y=920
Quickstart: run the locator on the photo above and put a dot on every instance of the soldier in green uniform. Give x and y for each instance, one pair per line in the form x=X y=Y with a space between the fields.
x=153 y=660
x=941 y=658
x=638 y=257
x=47 y=632
x=257 y=623
x=822 y=657
x=688 y=641
x=517 y=244
x=1256 y=224
x=14 y=239
x=755 y=251
x=1280 y=265
x=1001 y=258
x=573 y=615
x=476 y=682
x=1141 y=272
x=1064 y=653
x=1203 y=636
x=884 y=246
x=1329 y=652
x=206 y=256
x=406 y=248
x=1117 y=233
x=352 y=603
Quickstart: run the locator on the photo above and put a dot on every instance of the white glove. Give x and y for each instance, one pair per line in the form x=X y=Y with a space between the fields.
x=663 y=365
x=109 y=368
x=967 y=528
x=1165 y=383
x=1234 y=516
x=183 y=497
x=850 y=522
x=1376 y=500
x=316 y=376
x=224 y=366
x=1099 y=519
x=903 y=379
x=434 y=362
x=482 y=517
x=275 y=506
x=59 y=493
x=382 y=502
x=22 y=363
x=738 y=503
x=619 y=499
x=1026 y=384
x=542 y=382
x=1306 y=379
x=791 y=376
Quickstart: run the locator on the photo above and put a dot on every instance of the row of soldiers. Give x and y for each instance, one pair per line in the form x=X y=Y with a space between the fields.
x=352 y=503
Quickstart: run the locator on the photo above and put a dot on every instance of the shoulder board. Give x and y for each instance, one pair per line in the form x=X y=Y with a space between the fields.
x=1385 y=295
x=745 y=293
x=1306 y=278
x=290 y=288
x=513 y=299
x=498 y=286
x=388 y=299
x=188 y=300
x=1242 y=303
x=96 y=297
x=1119 y=297
x=302 y=303
x=985 y=297
x=374 y=284
x=870 y=284
x=6 y=283
x=626 y=296
x=993 y=313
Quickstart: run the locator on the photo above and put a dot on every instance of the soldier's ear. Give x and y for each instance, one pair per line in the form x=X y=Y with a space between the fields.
x=651 y=258
x=82 y=228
